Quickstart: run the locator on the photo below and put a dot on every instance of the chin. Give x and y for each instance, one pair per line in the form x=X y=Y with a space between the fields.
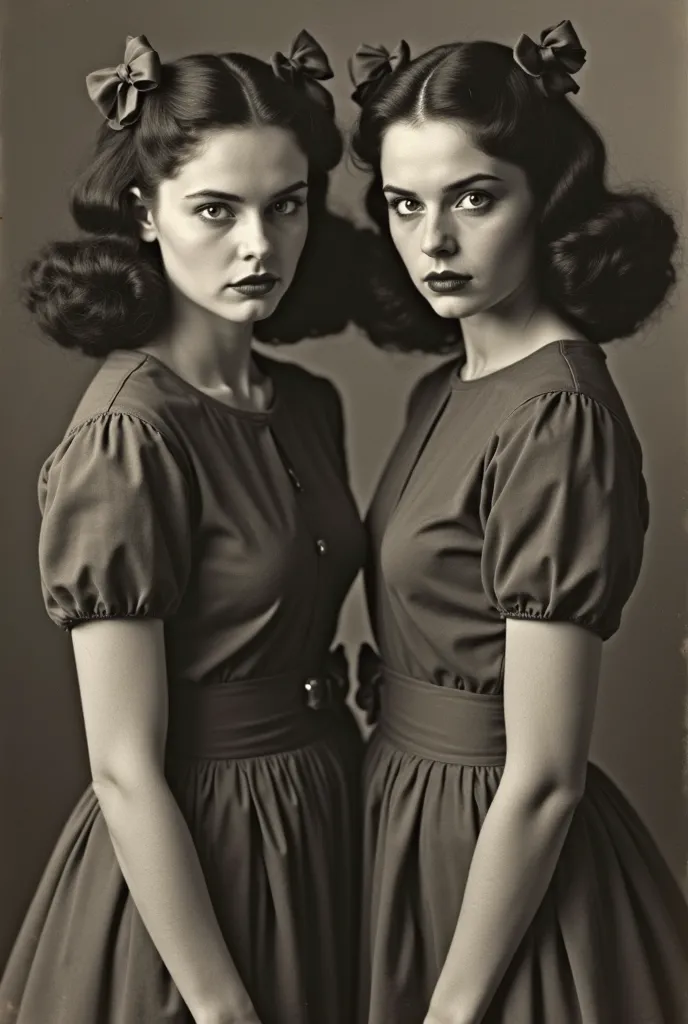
x=248 y=310
x=455 y=307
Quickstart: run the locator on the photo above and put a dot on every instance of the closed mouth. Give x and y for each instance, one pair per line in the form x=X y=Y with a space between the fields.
x=447 y=281
x=447 y=275
x=255 y=284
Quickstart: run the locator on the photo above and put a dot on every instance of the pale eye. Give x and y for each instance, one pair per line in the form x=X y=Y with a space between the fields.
x=405 y=207
x=287 y=207
x=477 y=201
x=215 y=212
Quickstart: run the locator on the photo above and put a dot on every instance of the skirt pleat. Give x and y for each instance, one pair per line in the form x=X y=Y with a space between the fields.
x=608 y=945
x=276 y=839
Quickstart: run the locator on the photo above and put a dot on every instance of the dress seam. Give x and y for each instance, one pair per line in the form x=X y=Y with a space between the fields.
x=562 y=349
x=124 y=380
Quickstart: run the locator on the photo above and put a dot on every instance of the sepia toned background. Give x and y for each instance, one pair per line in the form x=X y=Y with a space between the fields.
x=633 y=88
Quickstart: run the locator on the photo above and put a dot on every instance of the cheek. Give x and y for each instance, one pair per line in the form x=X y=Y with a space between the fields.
x=506 y=246
x=196 y=261
x=191 y=243
x=289 y=242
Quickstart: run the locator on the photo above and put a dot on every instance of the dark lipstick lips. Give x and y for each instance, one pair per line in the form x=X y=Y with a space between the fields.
x=255 y=284
x=255 y=279
x=446 y=281
x=446 y=275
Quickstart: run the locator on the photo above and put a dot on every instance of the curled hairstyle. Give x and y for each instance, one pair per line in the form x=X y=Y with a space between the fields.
x=107 y=290
x=603 y=257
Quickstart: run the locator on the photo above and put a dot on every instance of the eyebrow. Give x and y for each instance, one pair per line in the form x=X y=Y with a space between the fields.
x=212 y=193
x=454 y=187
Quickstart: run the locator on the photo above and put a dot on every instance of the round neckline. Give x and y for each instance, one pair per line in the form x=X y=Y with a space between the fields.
x=256 y=415
x=463 y=385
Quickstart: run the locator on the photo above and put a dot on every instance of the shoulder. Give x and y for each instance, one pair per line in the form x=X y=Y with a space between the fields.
x=131 y=382
x=130 y=416
x=566 y=367
x=132 y=393
x=566 y=382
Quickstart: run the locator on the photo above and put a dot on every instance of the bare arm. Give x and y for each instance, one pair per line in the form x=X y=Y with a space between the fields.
x=123 y=684
x=550 y=691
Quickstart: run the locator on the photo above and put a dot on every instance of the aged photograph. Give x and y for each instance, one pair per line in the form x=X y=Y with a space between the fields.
x=344 y=630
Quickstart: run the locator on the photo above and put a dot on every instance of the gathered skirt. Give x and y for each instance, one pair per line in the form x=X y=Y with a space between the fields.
x=608 y=944
x=276 y=838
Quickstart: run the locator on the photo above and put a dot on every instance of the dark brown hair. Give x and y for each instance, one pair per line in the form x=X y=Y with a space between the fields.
x=106 y=290
x=604 y=257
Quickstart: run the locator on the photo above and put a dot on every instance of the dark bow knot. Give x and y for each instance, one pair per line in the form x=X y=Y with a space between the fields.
x=553 y=60
x=370 y=65
x=305 y=66
x=118 y=91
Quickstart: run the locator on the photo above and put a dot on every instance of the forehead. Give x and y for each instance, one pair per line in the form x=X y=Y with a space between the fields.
x=252 y=162
x=431 y=154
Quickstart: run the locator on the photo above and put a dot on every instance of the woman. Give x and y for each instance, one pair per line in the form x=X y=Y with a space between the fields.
x=506 y=880
x=198 y=539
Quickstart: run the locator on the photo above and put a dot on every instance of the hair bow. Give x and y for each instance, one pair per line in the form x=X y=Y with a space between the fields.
x=371 y=64
x=551 y=62
x=306 y=65
x=118 y=92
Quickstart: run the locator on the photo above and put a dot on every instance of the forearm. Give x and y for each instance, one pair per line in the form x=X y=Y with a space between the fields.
x=160 y=865
x=512 y=866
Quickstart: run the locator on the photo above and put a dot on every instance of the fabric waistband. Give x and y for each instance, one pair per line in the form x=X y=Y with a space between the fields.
x=250 y=717
x=440 y=723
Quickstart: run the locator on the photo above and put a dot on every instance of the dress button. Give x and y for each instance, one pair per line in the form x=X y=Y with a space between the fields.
x=321 y=546
x=316 y=696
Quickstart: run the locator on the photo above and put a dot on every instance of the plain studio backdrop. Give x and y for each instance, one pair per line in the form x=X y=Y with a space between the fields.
x=633 y=88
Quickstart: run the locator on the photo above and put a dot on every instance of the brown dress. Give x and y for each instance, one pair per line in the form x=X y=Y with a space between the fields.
x=239 y=531
x=516 y=495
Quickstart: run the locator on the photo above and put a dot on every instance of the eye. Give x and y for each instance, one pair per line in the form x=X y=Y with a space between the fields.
x=404 y=206
x=477 y=202
x=287 y=207
x=215 y=212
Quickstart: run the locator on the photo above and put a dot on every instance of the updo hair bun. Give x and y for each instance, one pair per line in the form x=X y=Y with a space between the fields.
x=95 y=294
x=614 y=269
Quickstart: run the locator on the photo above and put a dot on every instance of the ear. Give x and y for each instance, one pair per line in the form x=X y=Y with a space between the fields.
x=143 y=215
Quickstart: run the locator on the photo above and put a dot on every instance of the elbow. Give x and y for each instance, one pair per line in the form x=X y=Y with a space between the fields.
x=110 y=787
x=549 y=795
x=565 y=797
x=114 y=784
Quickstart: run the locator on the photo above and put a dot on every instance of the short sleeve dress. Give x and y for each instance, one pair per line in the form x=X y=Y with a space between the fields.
x=239 y=531
x=519 y=494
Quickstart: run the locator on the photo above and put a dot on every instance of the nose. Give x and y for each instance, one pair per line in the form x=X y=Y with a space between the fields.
x=253 y=242
x=438 y=238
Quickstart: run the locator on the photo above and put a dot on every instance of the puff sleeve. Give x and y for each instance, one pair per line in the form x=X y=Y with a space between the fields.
x=115 y=534
x=564 y=510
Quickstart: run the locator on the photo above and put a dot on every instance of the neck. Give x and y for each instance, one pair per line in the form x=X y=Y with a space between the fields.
x=211 y=353
x=516 y=327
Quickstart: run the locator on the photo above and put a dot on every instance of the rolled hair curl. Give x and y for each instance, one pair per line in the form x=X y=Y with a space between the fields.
x=604 y=258
x=106 y=289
